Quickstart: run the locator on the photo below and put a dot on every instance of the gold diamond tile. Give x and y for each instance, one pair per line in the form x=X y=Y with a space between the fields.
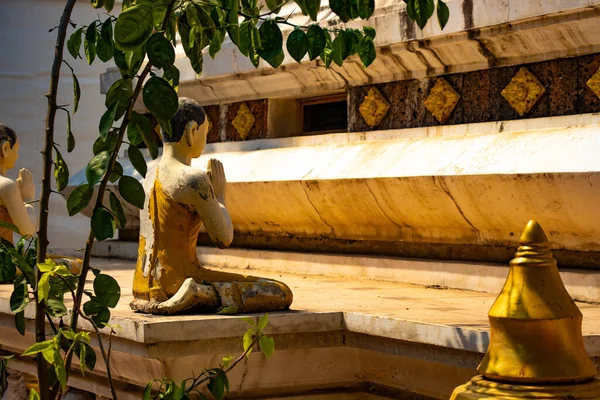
x=243 y=121
x=523 y=91
x=374 y=107
x=594 y=83
x=442 y=100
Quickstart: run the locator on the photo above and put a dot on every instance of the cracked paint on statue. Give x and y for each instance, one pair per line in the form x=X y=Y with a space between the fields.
x=180 y=199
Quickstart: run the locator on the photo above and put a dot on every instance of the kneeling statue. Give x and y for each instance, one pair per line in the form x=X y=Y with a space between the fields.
x=169 y=278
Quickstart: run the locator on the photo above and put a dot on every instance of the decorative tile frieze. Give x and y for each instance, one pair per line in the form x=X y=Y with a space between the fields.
x=374 y=107
x=442 y=100
x=243 y=121
x=594 y=83
x=523 y=91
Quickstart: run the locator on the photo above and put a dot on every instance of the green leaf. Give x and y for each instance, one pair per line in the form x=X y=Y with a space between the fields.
x=97 y=3
x=120 y=92
x=443 y=13
x=137 y=160
x=276 y=61
x=48 y=354
x=61 y=172
x=327 y=54
x=275 y=5
x=107 y=290
x=245 y=40
x=7 y=268
x=148 y=391
x=410 y=9
x=132 y=191
x=134 y=59
x=103 y=224
x=366 y=8
x=138 y=127
x=38 y=347
x=341 y=9
x=107 y=144
x=33 y=395
x=59 y=367
x=20 y=322
x=104 y=50
x=117 y=209
x=233 y=28
x=247 y=340
x=216 y=387
x=24 y=265
x=76 y=93
x=302 y=5
x=171 y=75
x=313 y=6
x=10 y=226
x=160 y=98
x=423 y=11
x=43 y=286
x=166 y=127
x=96 y=168
x=79 y=199
x=81 y=355
x=56 y=308
x=229 y=310
x=107 y=120
x=145 y=130
x=262 y=323
x=267 y=345
x=86 y=355
x=99 y=313
x=108 y=5
x=74 y=43
x=297 y=44
x=370 y=32
x=339 y=48
x=367 y=52
x=134 y=26
x=316 y=41
x=160 y=51
x=90 y=43
x=117 y=173
x=271 y=39
x=215 y=43
x=70 y=137
x=250 y=322
x=19 y=297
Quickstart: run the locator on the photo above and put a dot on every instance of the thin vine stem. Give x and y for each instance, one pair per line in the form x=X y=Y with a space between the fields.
x=40 y=314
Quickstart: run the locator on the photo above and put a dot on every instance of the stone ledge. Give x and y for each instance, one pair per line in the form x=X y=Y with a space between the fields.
x=583 y=285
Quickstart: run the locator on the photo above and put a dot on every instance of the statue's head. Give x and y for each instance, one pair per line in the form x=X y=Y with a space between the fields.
x=9 y=147
x=189 y=126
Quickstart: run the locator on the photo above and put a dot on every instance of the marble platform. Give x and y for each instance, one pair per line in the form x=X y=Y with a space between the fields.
x=345 y=338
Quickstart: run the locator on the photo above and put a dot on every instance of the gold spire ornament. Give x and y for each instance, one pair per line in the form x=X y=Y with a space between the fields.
x=536 y=346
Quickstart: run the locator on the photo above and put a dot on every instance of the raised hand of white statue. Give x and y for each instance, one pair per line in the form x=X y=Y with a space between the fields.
x=215 y=171
x=26 y=185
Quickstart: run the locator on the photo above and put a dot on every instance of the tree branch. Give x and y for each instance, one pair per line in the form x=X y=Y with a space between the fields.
x=40 y=315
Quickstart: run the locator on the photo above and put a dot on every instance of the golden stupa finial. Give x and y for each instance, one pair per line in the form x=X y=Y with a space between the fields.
x=535 y=332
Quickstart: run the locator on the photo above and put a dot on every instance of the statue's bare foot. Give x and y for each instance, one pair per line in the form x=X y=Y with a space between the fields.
x=243 y=294
x=190 y=297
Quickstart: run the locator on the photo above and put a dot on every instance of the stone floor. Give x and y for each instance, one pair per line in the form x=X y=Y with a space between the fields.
x=378 y=333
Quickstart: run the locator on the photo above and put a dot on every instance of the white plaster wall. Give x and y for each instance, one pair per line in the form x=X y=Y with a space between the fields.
x=25 y=64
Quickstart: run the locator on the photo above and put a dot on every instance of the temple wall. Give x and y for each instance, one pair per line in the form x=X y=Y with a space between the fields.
x=27 y=54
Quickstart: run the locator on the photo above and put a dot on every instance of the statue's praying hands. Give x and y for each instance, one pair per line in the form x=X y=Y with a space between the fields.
x=216 y=173
x=26 y=185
